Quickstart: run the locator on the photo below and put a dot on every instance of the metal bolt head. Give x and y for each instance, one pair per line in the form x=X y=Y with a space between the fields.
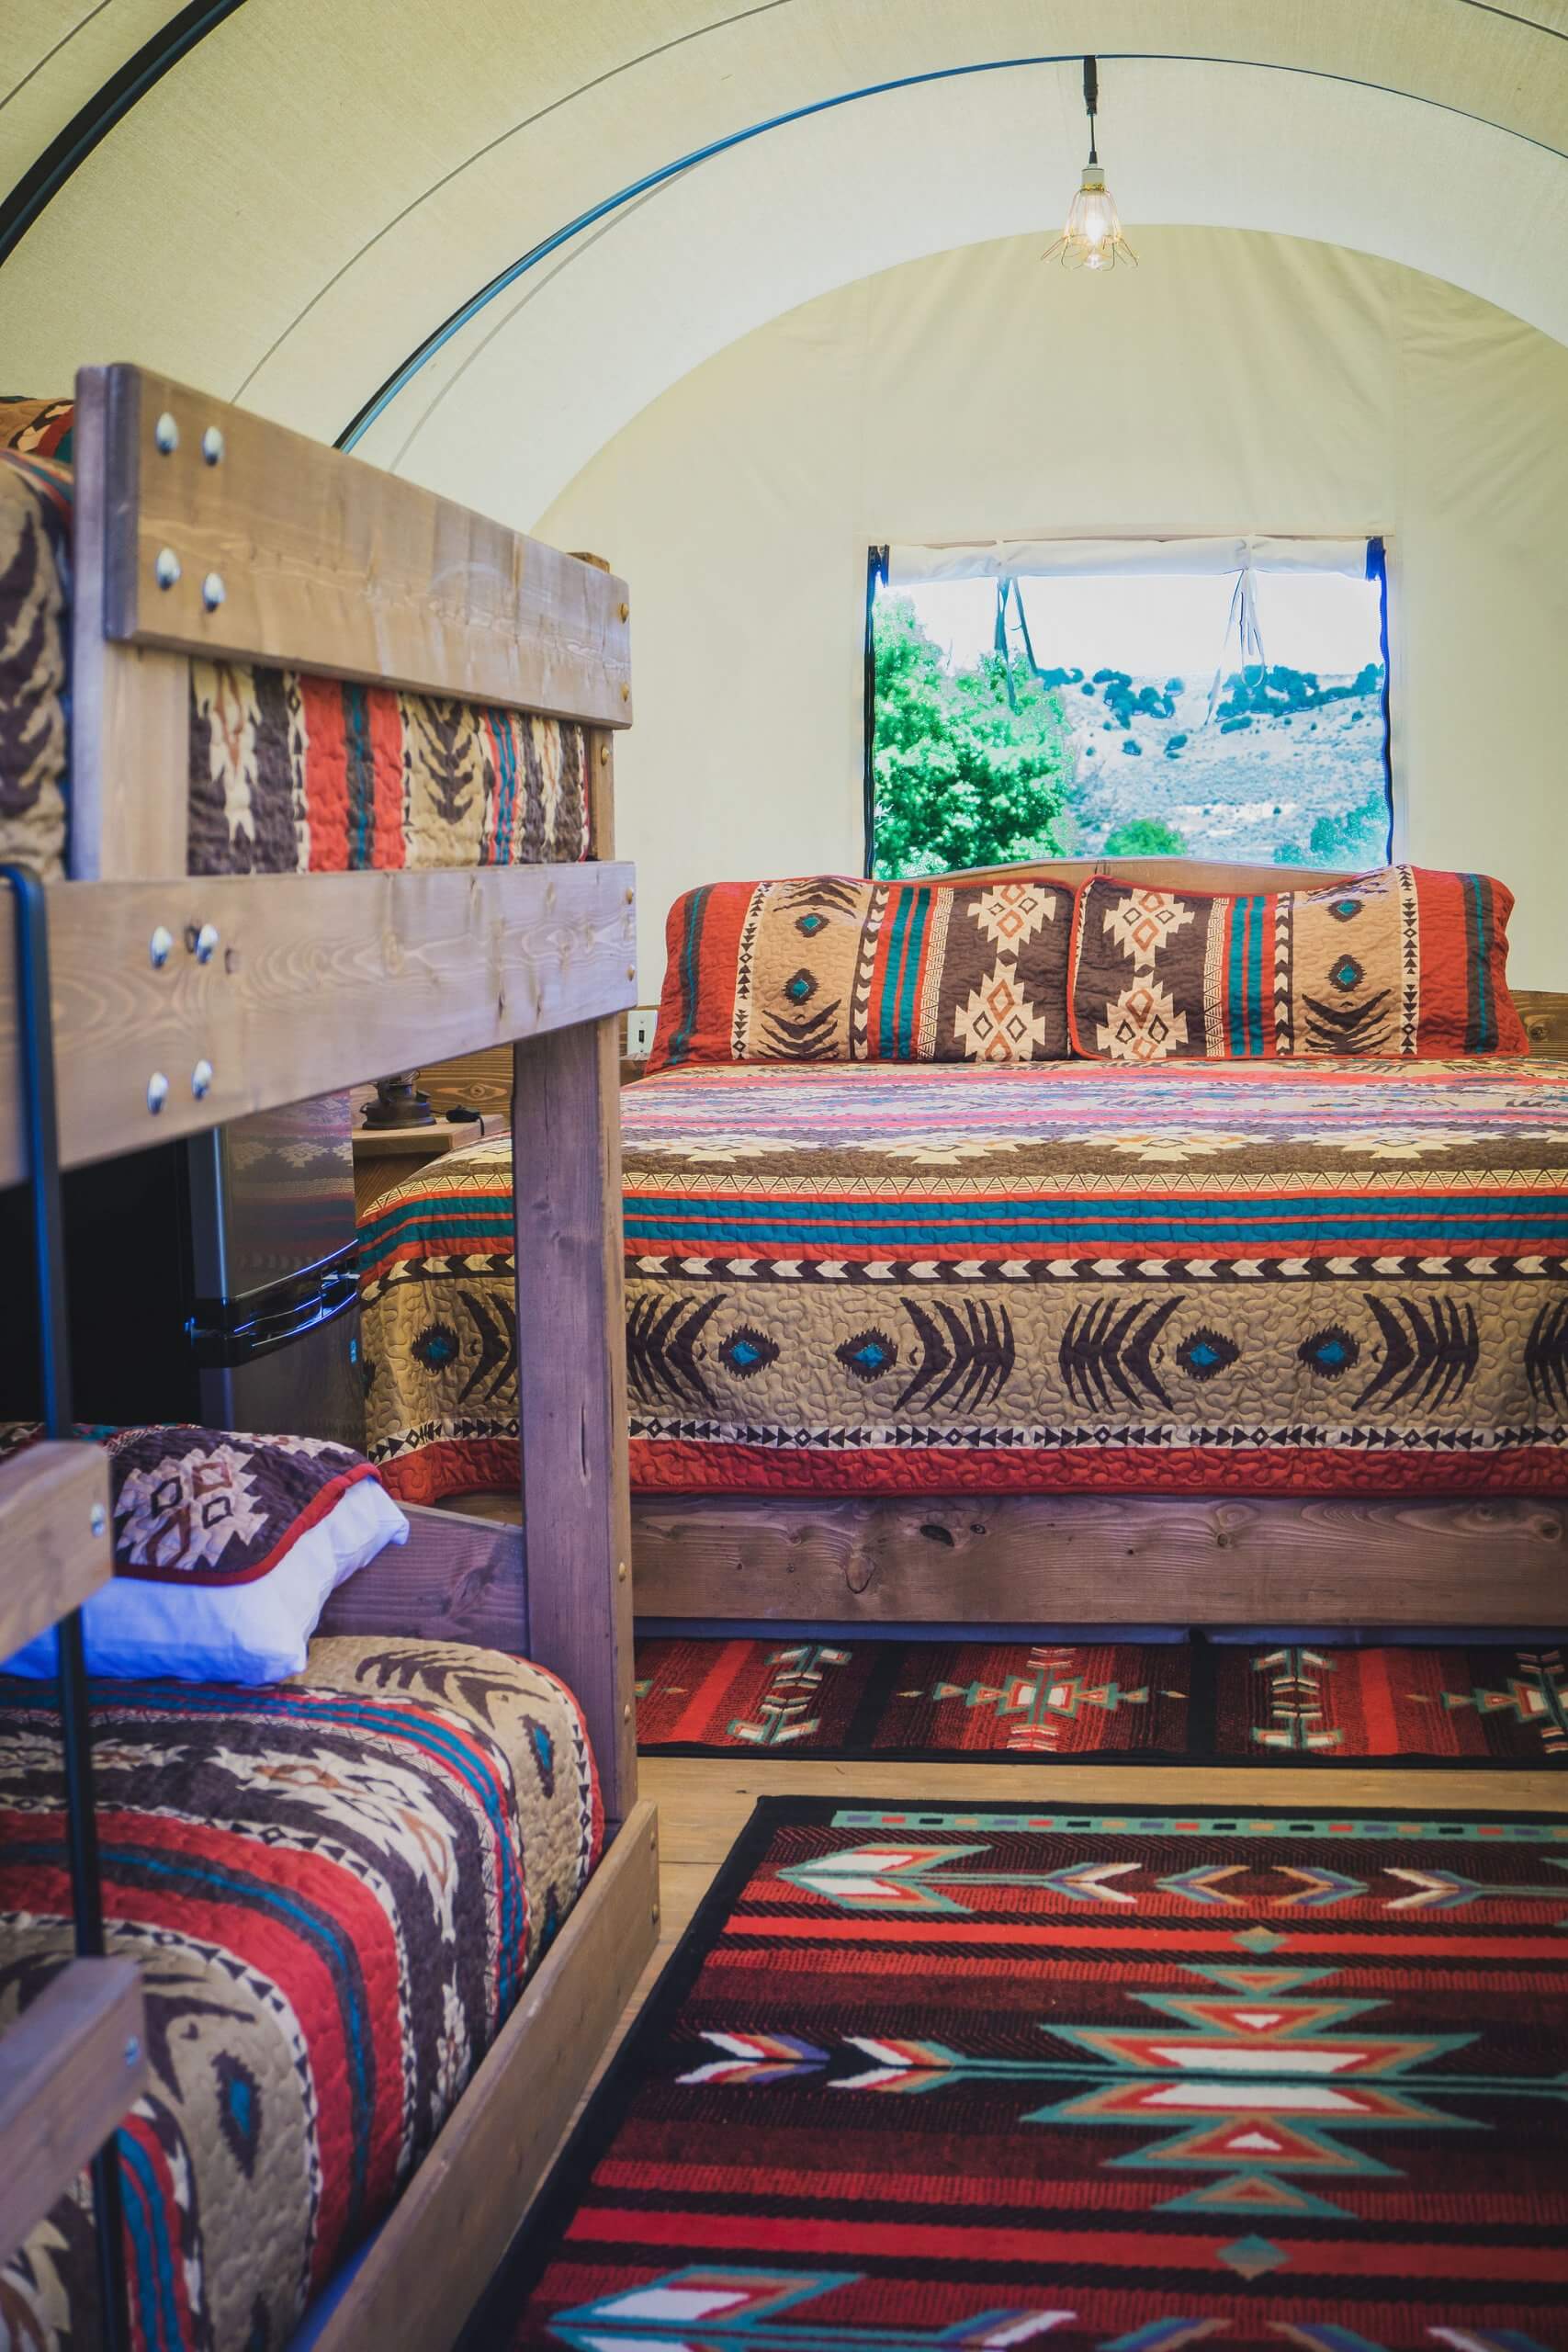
x=201 y=1079
x=626 y=694
x=212 y=445
x=167 y=568
x=166 y=434
x=625 y=612
x=626 y=1713
x=213 y=591
x=160 y=947
x=132 y=2051
x=97 y=1519
x=157 y=1092
x=204 y=947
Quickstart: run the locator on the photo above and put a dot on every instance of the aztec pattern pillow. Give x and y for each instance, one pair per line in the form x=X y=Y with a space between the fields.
x=825 y=969
x=226 y=1551
x=197 y=1506
x=1399 y=962
x=34 y=632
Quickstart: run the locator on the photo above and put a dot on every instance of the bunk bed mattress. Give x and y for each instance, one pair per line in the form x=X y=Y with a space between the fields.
x=288 y=772
x=1241 y=1277
x=335 y=1888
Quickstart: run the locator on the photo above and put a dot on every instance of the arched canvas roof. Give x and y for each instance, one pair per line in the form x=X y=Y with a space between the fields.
x=291 y=209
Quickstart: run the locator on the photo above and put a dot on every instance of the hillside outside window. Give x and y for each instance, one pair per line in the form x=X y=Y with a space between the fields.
x=1223 y=699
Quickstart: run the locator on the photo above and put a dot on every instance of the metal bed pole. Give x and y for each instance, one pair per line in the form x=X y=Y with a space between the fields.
x=36 y=1026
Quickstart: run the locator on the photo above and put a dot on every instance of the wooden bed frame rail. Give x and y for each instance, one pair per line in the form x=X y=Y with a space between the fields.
x=205 y=534
x=76 y=2059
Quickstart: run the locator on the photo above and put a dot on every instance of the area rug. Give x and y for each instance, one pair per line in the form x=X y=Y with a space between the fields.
x=950 y=2077
x=1195 y=1703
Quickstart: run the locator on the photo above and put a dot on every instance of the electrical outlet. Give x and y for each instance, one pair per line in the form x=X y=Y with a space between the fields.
x=641 y=1023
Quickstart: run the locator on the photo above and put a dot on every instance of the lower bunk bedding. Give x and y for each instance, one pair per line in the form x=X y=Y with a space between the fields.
x=336 y=1887
x=1266 y=1277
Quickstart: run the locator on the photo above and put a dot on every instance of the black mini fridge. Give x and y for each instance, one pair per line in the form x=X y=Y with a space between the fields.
x=215 y=1279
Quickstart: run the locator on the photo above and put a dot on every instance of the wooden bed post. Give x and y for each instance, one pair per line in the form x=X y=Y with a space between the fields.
x=571 y=1381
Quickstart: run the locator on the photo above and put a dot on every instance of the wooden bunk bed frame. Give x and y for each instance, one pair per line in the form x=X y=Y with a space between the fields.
x=1313 y=1561
x=180 y=1002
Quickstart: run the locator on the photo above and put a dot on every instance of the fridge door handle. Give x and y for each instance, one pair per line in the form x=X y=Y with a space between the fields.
x=220 y=1344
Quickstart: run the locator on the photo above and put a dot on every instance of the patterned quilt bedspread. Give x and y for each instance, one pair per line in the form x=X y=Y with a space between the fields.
x=1242 y=1277
x=335 y=1889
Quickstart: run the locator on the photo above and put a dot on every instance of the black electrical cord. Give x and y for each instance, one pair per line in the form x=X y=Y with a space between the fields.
x=1091 y=100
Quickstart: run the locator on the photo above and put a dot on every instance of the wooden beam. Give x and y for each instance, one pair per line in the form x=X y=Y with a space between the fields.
x=447 y=2235
x=1160 y=1560
x=1544 y=1012
x=327 y=564
x=70 y=2066
x=455 y=1579
x=129 y=706
x=601 y=792
x=55 y=1544
x=1158 y=872
x=566 y=1139
x=316 y=979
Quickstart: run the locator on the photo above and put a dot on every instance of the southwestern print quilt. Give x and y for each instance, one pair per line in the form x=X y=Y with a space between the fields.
x=35 y=633
x=335 y=1889
x=1096 y=2078
x=1495 y=1705
x=1401 y=962
x=822 y=969
x=294 y=774
x=289 y=772
x=1274 y=1277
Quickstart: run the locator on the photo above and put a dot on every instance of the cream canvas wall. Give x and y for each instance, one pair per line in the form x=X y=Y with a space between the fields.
x=1234 y=382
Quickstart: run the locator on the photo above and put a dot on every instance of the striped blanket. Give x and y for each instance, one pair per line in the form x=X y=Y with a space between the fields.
x=1246 y=1277
x=335 y=1889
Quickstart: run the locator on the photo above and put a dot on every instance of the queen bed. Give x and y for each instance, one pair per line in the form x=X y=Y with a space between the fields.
x=989 y=1310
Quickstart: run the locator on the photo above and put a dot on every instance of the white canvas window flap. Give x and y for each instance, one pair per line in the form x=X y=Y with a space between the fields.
x=1121 y=557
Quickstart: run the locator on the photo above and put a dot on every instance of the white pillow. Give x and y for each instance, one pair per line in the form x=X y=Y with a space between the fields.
x=137 y=1631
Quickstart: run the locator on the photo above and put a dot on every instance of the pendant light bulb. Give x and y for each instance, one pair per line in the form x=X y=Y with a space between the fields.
x=1093 y=238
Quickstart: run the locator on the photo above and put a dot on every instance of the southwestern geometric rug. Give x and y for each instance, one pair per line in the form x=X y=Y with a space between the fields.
x=1194 y=1702
x=927 y=2078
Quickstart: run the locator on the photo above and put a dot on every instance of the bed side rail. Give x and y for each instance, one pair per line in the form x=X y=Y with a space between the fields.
x=54 y=1536
x=178 y=1005
x=287 y=552
x=70 y=2066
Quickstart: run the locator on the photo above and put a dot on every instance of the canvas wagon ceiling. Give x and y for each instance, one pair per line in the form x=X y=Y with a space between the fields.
x=295 y=206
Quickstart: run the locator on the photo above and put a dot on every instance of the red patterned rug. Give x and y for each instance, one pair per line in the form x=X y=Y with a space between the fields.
x=922 y=2080
x=1116 y=1702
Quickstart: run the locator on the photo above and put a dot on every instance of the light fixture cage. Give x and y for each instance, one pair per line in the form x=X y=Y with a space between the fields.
x=1093 y=238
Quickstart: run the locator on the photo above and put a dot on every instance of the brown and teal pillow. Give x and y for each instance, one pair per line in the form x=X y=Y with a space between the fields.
x=822 y=968
x=1400 y=961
